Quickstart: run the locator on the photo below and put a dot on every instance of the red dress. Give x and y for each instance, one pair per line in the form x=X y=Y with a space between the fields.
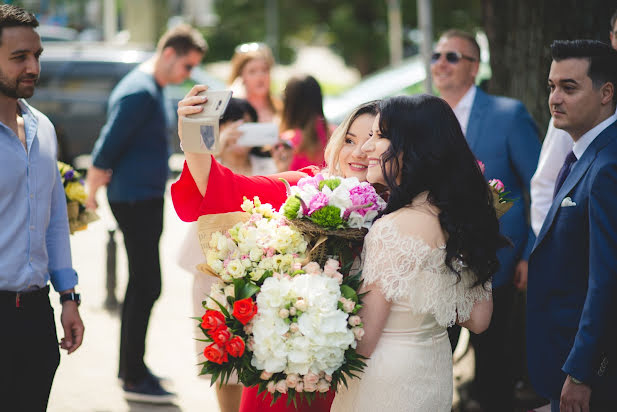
x=224 y=194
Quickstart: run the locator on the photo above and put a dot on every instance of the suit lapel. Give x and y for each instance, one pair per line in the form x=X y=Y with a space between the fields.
x=578 y=170
x=474 y=126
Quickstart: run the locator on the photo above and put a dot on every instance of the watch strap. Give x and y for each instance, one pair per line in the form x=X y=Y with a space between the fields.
x=76 y=297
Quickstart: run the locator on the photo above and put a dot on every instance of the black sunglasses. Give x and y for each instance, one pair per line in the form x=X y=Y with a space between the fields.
x=451 y=57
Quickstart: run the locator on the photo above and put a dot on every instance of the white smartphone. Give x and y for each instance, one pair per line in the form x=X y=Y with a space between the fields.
x=215 y=106
x=258 y=134
x=200 y=131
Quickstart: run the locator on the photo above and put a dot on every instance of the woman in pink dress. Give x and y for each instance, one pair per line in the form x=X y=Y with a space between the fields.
x=305 y=132
x=206 y=187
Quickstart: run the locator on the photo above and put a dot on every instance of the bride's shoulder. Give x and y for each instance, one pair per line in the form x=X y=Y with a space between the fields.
x=413 y=222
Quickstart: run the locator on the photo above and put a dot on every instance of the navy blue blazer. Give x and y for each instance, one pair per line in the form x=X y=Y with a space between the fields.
x=572 y=289
x=502 y=135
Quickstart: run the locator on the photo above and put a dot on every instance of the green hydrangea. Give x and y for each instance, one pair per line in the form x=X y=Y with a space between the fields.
x=332 y=183
x=291 y=208
x=328 y=216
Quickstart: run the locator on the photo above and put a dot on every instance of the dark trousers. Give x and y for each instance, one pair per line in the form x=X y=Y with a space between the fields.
x=593 y=406
x=493 y=384
x=141 y=224
x=29 y=354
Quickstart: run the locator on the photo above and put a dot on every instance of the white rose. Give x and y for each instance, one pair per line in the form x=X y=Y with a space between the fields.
x=283 y=313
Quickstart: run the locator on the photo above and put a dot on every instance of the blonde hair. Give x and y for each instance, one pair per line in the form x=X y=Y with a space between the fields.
x=337 y=139
x=246 y=52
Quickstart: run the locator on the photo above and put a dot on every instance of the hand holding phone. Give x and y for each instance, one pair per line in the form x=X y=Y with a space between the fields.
x=200 y=131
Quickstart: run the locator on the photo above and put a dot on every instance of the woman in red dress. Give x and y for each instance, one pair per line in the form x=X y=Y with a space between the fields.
x=206 y=187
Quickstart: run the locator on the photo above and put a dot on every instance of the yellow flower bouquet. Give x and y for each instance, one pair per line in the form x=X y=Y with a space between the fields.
x=75 y=192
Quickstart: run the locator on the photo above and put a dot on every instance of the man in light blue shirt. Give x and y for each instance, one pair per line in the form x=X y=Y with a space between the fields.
x=34 y=239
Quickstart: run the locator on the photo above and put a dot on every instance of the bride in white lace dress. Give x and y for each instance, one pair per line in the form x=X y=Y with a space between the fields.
x=427 y=261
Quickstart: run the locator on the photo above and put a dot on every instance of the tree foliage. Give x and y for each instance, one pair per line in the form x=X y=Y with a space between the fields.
x=357 y=30
x=520 y=33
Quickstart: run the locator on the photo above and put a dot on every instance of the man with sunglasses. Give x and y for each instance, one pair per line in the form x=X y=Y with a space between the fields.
x=130 y=157
x=502 y=135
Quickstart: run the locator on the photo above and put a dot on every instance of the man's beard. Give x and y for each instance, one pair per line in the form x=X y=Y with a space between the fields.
x=11 y=89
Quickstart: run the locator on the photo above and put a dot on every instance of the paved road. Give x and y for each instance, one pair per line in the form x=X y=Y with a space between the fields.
x=86 y=380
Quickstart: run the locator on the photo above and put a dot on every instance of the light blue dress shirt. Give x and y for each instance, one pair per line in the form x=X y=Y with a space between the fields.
x=34 y=229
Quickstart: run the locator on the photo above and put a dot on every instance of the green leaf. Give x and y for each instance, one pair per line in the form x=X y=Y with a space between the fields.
x=223 y=309
x=349 y=293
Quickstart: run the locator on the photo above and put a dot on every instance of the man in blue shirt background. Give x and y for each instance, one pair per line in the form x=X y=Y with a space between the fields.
x=34 y=240
x=130 y=156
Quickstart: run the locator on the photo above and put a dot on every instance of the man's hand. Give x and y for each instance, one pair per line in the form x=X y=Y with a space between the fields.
x=95 y=178
x=520 y=275
x=574 y=397
x=73 y=327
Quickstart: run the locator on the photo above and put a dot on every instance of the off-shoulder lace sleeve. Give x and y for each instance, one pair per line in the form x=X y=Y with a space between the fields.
x=409 y=271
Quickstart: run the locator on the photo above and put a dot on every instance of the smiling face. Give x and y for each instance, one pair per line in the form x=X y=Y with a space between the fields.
x=454 y=77
x=19 y=61
x=576 y=106
x=351 y=159
x=256 y=77
x=374 y=148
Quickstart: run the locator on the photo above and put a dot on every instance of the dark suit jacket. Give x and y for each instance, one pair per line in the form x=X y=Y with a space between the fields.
x=572 y=290
x=502 y=135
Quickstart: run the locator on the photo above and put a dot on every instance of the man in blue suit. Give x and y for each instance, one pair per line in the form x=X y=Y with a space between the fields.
x=572 y=296
x=504 y=137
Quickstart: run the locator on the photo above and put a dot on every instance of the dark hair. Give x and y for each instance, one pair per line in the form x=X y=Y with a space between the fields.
x=183 y=39
x=602 y=59
x=13 y=16
x=302 y=109
x=470 y=38
x=437 y=159
x=613 y=19
x=236 y=109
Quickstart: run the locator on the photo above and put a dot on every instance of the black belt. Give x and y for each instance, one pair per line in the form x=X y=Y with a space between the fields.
x=19 y=299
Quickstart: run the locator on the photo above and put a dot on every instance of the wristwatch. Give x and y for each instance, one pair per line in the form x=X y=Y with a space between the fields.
x=575 y=381
x=75 y=297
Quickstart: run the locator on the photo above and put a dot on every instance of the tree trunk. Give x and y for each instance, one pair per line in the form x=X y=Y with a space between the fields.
x=520 y=33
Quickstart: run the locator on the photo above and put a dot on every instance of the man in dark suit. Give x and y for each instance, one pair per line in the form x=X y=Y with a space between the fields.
x=572 y=296
x=504 y=137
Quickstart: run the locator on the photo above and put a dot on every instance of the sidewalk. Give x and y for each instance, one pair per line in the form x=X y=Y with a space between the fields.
x=86 y=380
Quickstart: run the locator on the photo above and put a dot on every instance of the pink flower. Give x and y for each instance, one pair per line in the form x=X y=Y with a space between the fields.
x=317 y=202
x=481 y=166
x=299 y=386
x=323 y=386
x=271 y=387
x=292 y=380
x=358 y=333
x=281 y=386
x=255 y=217
x=354 y=320
x=363 y=198
x=311 y=181
x=497 y=184
x=311 y=378
x=308 y=387
x=331 y=266
x=312 y=268
x=265 y=375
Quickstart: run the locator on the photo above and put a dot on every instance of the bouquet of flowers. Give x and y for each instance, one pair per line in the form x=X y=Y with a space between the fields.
x=501 y=201
x=331 y=212
x=74 y=189
x=283 y=325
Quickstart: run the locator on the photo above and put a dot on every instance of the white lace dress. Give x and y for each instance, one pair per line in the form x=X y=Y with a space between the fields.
x=411 y=367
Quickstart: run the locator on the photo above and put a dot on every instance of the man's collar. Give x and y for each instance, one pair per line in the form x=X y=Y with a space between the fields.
x=468 y=98
x=583 y=143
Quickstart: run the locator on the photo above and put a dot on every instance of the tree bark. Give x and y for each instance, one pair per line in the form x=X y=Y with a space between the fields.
x=520 y=33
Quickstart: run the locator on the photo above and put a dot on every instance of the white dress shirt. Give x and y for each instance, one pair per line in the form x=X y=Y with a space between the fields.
x=556 y=146
x=463 y=108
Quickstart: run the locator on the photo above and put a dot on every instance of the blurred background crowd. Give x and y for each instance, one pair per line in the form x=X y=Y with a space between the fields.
x=302 y=66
